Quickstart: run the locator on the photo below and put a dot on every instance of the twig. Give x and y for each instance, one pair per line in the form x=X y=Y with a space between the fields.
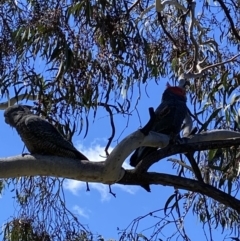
x=160 y=5
x=133 y=6
x=160 y=18
x=113 y=106
x=209 y=42
x=110 y=191
x=15 y=99
x=194 y=165
x=88 y=189
x=226 y=11
x=202 y=70
x=190 y=33
x=112 y=126
x=181 y=163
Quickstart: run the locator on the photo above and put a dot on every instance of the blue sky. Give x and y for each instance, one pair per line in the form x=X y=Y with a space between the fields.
x=98 y=209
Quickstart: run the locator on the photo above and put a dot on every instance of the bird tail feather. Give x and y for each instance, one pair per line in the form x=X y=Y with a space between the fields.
x=139 y=154
x=80 y=156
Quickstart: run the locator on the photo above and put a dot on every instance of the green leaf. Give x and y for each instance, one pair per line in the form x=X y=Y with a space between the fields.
x=56 y=52
x=168 y=202
x=224 y=80
x=69 y=59
x=212 y=116
x=229 y=186
x=234 y=99
x=211 y=154
x=87 y=126
x=60 y=70
x=145 y=76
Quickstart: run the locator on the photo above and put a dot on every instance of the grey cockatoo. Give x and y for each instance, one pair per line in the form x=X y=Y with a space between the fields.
x=39 y=136
x=170 y=115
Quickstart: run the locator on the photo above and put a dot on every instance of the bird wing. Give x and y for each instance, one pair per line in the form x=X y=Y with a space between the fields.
x=47 y=133
x=161 y=112
x=170 y=115
x=188 y=125
x=164 y=114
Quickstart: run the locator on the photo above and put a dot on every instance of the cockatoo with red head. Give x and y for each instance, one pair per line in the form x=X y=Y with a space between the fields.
x=170 y=115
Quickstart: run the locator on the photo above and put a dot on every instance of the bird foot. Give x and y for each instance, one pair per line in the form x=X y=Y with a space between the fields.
x=184 y=139
x=174 y=139
x=181 y=141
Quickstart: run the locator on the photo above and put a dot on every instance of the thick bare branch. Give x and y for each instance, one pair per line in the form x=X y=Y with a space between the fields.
x=132 y=178
x=203 y=141
x=34 y=165
x=111 y=170
x=127 y=146
x=93 y=172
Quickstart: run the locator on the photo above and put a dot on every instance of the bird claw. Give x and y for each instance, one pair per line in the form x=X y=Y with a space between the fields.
x=174 y=139
x=183 y=140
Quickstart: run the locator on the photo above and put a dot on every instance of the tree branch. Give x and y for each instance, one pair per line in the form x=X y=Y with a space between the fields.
x=203 y=141
x=226 y=11
x=110 y=171
x=190 y=34
x=34 y=165
x=133 y=178
x=16 y=99
x=116 y=158
x=161 y=4
x=133 y=6
x=194 y=165
x=201 y=71
x=110 y=139
x=160 y=19
x=107 y=172
x=93 y=172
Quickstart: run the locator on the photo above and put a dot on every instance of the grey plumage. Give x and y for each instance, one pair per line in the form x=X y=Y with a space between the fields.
x=39 y=136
